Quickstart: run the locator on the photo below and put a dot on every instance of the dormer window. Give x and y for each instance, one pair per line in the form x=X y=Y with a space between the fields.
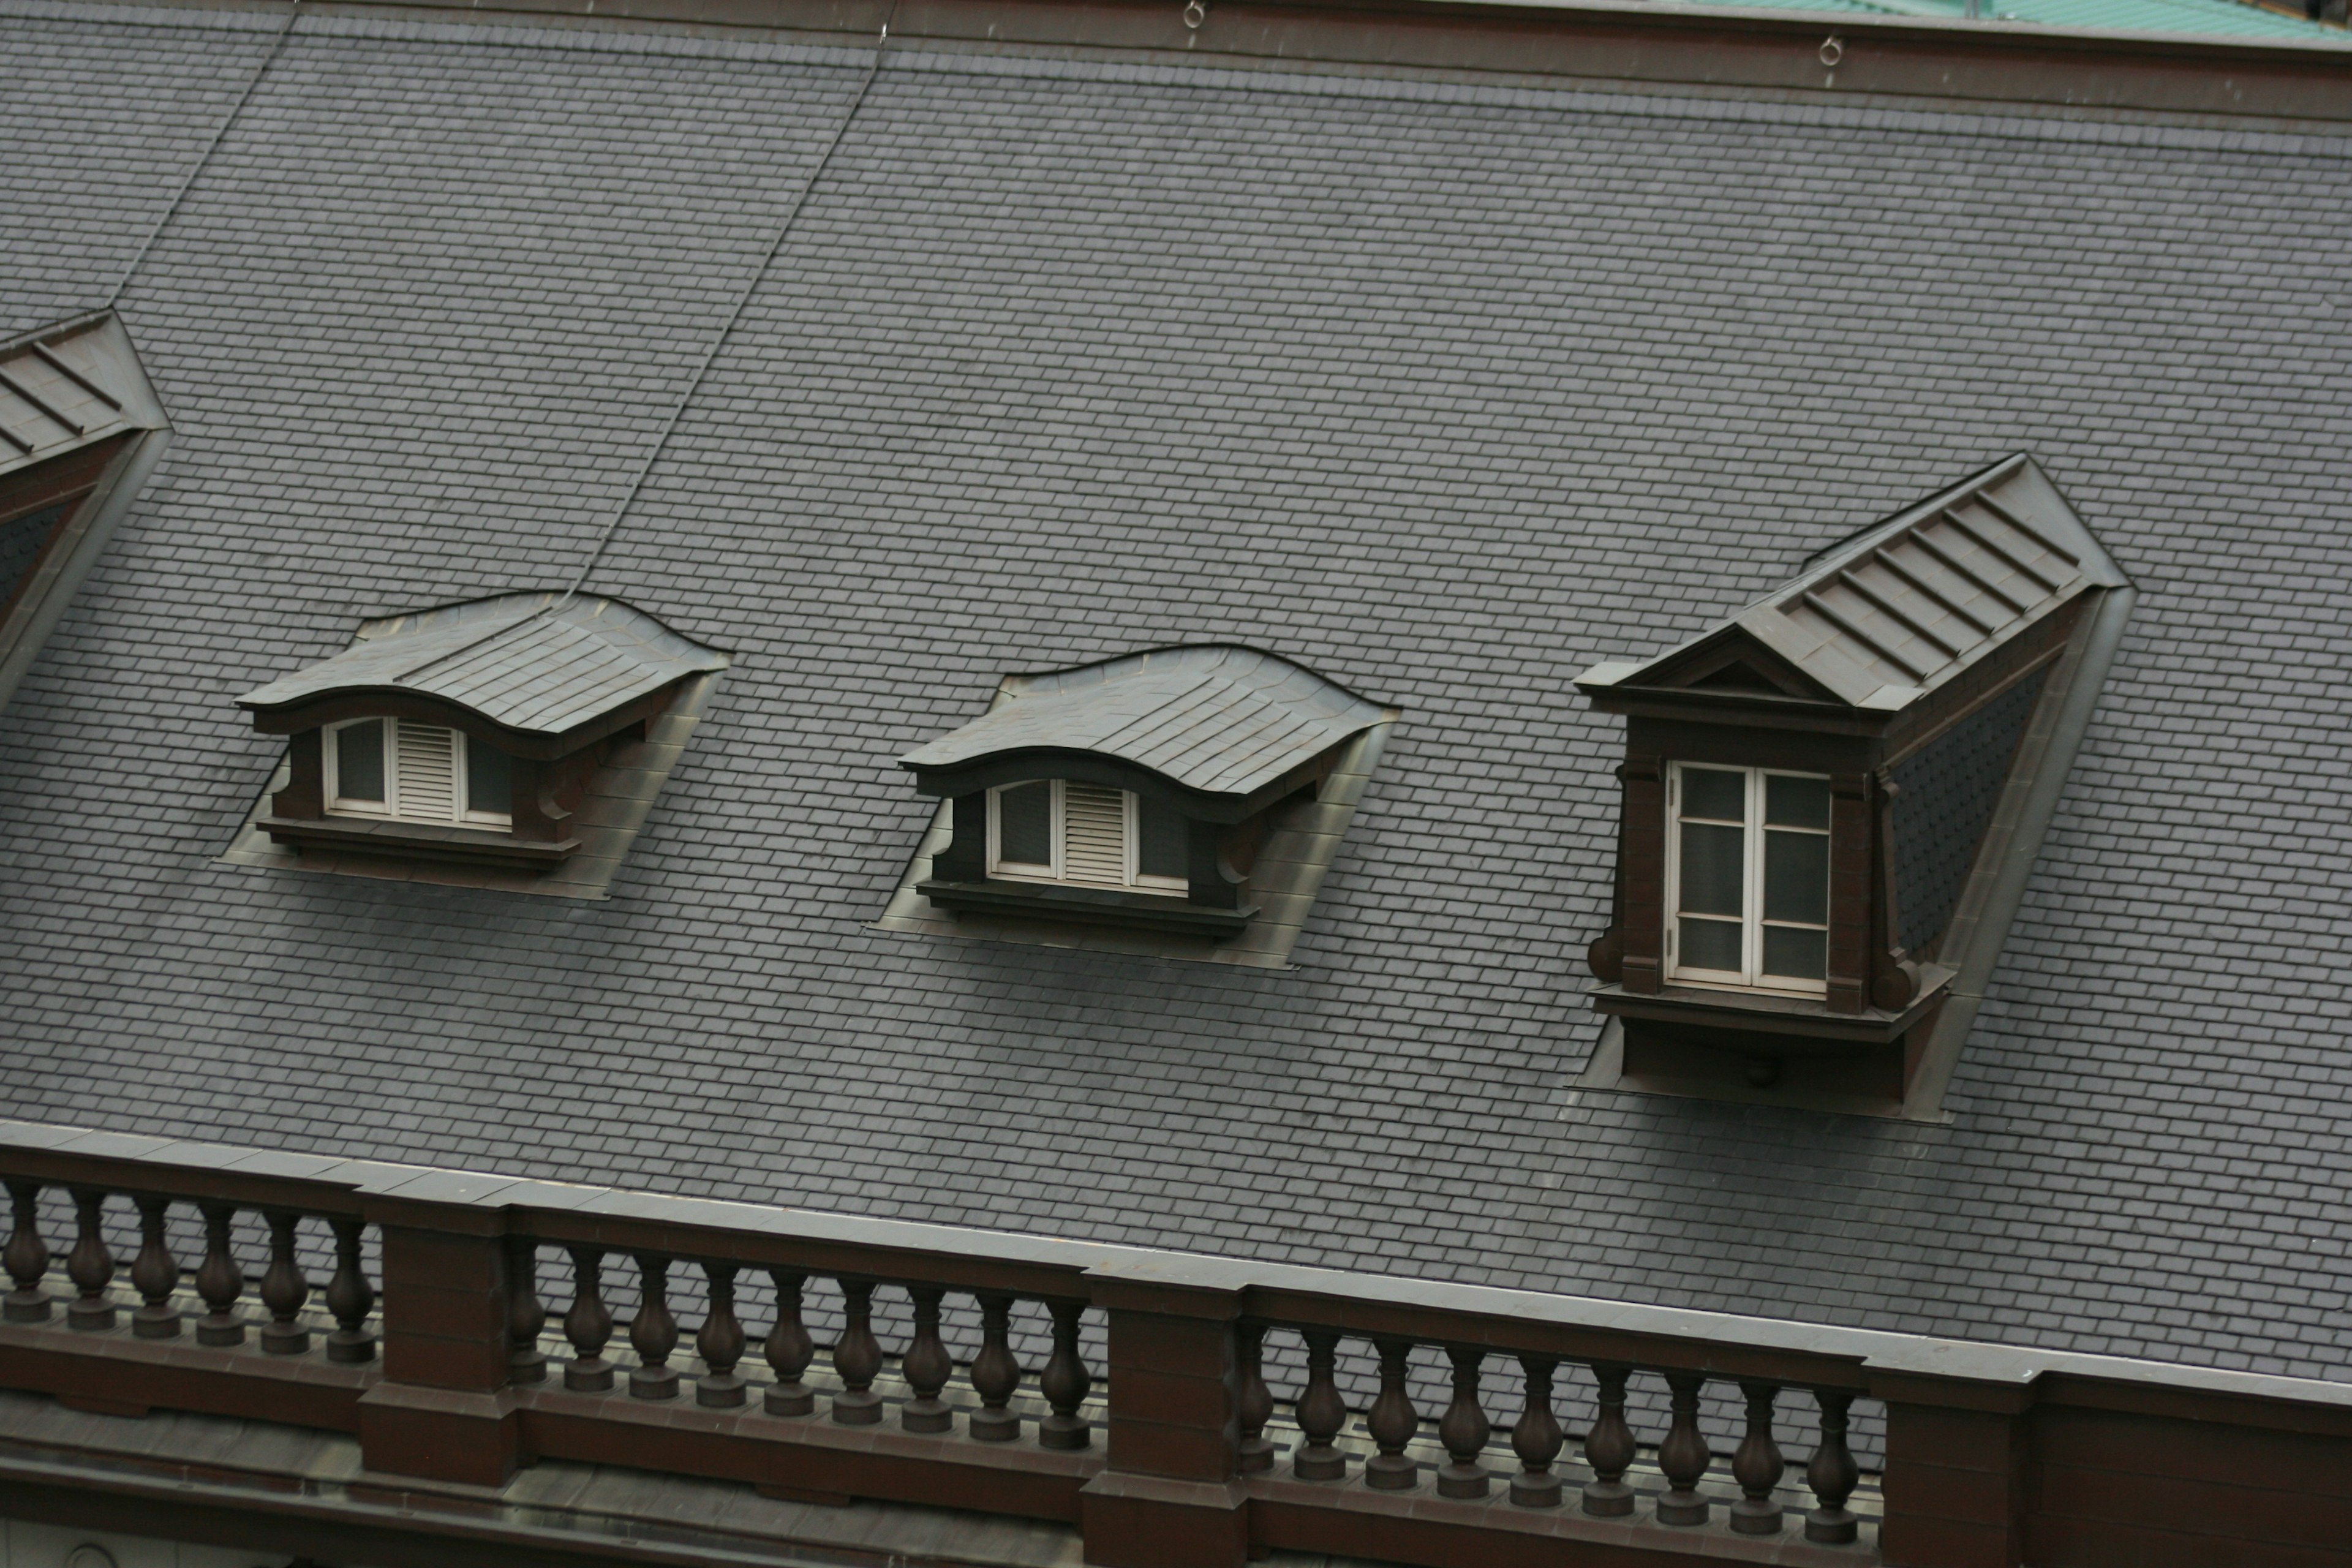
x=1087 y=835
x=1749 y=862
x=80 y=430
x=1184 y=802
x=523 y=736
x=415 y=773
x=1818 y=793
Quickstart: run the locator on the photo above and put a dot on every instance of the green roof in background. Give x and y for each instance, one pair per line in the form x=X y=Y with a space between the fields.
x=2213 y=18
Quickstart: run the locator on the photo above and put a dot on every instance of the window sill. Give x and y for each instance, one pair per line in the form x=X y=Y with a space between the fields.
x=417 y=840
x=1778 y=1013
x=1154 y=911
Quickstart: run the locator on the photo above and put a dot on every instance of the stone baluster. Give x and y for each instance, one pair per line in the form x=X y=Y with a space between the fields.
x=995 y=1375
x=350 y=1295
x=1682 y=1457
x=1757 y=1465
x=1392 y=1420
x=1609 y=1446
x=1832 y=1474
x=589 y=1324
x=653 y=1333
x=720 y=1342
x=928 y=1366
x=1463 y=1429
x=26 y=1257
x=1321 y=1411
x=526 y=1316
x=1254 y=1403
x=1536 y=1437
x=789 y=1349
x=219 y=1280
x=90 y=1265
x=857 y=1357
x=283 y=1289
x=1064 y=1382
x=156 y=1272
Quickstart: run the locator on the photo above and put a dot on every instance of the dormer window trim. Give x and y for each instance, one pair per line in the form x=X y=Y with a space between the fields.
x=1774 y=887
x=479 y=775
x=1141 y=840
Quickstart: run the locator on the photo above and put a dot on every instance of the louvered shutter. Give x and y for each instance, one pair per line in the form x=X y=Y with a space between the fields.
x=428 y=773
x=1093 y=834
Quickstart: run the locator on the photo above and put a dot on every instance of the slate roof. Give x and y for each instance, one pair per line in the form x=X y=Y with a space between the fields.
x=1224 y=720
x=1444 y=390
x=541 y=663
x=1908 y=606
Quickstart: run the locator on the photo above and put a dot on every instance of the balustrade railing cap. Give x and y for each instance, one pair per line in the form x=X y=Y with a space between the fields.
x=1504 y=1320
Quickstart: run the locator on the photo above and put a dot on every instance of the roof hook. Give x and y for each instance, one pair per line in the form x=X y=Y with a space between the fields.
x=1832 y=50
x=1195 y=13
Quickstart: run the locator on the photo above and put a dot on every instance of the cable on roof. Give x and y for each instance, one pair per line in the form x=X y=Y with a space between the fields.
x=727 y=331
x=277 y=47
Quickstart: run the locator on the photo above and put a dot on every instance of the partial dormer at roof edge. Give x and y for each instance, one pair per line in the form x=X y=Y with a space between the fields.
x=80 y=430
x=516 y=742
x=1830 y=799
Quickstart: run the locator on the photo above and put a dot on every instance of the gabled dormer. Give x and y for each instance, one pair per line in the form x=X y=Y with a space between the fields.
x=80 y=429
x=1811 y=789
x=522 y=737
x=1187 y=800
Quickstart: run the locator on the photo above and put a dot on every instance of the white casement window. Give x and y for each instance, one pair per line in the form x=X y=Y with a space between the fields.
x=1748 y=870
x=415 y=773
x=1059 y=830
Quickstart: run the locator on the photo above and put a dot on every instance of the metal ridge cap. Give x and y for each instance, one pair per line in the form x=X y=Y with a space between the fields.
x=1661 y=12
x=1886 y=1350
x=1807 y=22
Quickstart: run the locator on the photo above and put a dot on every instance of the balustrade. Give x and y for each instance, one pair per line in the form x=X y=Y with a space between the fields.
x=156 y=1272
x=1611 y=1448
x=858 y=1356
x=1678 y=1492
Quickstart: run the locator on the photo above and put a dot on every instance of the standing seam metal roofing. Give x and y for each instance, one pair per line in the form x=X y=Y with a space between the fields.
x=1227 y=721
x=1447 y=390
x=529 y=661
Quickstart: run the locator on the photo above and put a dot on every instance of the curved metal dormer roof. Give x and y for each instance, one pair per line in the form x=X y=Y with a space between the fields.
x=527 y=663
x=1217 y=720
x=1879 y=620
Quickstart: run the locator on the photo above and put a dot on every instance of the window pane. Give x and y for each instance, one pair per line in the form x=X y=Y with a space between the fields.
x=359 y=761
x=1793 y=954
x=1024 y=824
x=1710 y=945
x=488 y=780
x=1712 y=878
x=1796 y=802
x=1712 y=793
x=1160 y=832
x=1796 y=876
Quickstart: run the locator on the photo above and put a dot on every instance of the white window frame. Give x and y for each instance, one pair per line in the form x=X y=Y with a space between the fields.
x=1750 y=976
x=1131 y=825
x=388 y=809
x=1024 y=870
